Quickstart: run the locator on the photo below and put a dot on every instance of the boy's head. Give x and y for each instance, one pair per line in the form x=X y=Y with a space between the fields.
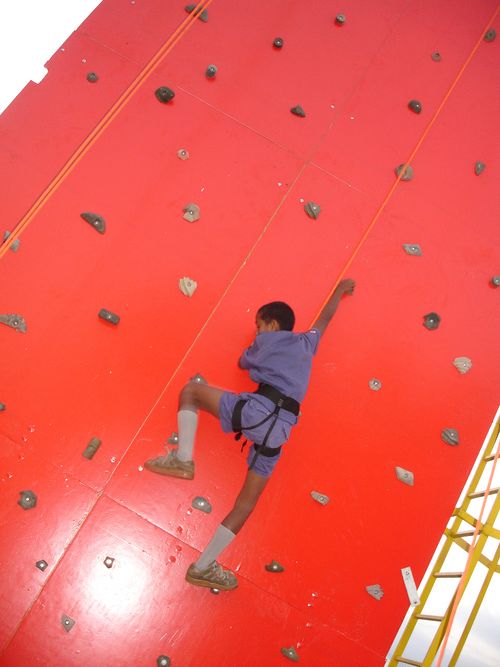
x=275 y=316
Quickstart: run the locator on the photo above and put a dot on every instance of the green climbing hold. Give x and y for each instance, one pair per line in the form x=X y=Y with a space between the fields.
x=408 y=172
x=431 y=321
x=92 y=77
x=164 y=94
x=91 y=448
x=2 y=407
x=479 y=167
x=211 y=71
x=274 y=566
x=436 y=56
x=109 y=316
x=490 y=35
x=312 y=209
x=290 y=653
x=298 y=111
x=203 y=15
x=415 y=106
x=96 y=220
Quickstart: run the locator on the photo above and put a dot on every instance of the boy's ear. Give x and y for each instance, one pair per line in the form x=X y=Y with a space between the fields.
x=275 y=325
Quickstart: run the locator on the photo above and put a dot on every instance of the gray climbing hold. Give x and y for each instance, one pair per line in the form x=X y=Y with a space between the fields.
x=108 y=562
x=97 y=221
x=405 y=476
x=407 y=172
x=2 y=407
x=436 y=56
x=174 y=438
x=495 y=281
x=198 y=378
x=274 y=566
x=376 y=591
x=191 y=212
x=183 y=154
x=163 y=661
x=211 y=71
x=14 y=246
x=340 y=19
x=375 y=384
x=431 y=321
x=412 y=249
x=462 y=364
x=313 y=210
x=290 y=653
x=415 y=106
x=42 y=565
x=187 y=286
x=67 y=622
x=490 y=35
x=215 y=591
x=203 y=15
x=108 y=316
x=201 y=504
x=450 y=436
x=298 y=111
x=320 y=498
x=164 y=94
x=92 y=77
x=278 y=43
x=27 y=500
x=14 y=321
x=479 y=167
x=91 y=448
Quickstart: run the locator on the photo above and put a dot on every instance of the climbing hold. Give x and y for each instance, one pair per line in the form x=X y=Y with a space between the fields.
x=164 y=94
x=215 y=591
x=14 y=246
x=320 y=498
x=211 y=71
x=42 y=565
x=490 y=35
x=203 y=15
x=412 y=249
x=187 y=286
x=202 y=504
x=450 y=436
x=198 y=378
x=163 y=661
x=375 y=384
x=408 y=172
x=436 y=56
x=2 y=407
x=15 y=321
x=108 y=562
x=92 y=77
x=431 y=321
x=91 y=448
x=183 y=154
x=298 y=111
x=174 y=439
x=27 y=500
x=191 y=212
x=278 y=43
x=290 y=653
x=405 y=476
x=108 y=316
x=376 y=591
x=462 y=364
x=97 y=221
x=415 y=106
x=340 y=19
x=312 y=209
x=495 y=281
x=479 y=167
x=274 y=566
x=67 y=622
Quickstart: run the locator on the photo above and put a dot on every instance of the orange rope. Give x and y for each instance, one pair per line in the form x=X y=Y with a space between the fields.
x=122 y=101
x=410 y=158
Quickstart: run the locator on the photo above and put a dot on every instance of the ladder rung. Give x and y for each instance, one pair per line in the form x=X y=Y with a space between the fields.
x=478 y=494
x=428 y=617
x=449 y=575
x=489 y=458
x=465 y=533
x=407 y=661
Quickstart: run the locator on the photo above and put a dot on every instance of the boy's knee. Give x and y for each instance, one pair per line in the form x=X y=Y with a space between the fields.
x=189 y=394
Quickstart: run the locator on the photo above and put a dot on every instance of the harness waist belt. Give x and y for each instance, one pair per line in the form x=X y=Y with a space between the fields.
x=279 y=399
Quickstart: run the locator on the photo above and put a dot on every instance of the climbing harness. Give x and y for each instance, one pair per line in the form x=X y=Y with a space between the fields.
x=281 y=402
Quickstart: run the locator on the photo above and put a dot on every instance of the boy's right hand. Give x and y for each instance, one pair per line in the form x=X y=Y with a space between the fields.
x=346 y=286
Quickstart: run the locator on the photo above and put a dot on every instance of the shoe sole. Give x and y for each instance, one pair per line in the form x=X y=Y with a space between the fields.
x=170 y=472
x=209 y=584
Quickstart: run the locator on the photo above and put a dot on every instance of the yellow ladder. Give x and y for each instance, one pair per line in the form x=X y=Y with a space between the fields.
x=454 y=535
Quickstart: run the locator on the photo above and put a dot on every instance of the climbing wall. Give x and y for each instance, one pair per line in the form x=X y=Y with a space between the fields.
x=94 y=138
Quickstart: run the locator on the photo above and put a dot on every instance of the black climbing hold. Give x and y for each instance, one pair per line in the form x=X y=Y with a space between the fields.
x=92 y=77
x=173 y=439
x=2 y=407
x=450 y=436
x=198 y=378
x=479 y=167
x=211 y=71
x=67 y=622
x=340 y=19
x=163 y=661
x=215 y=591
x=203 y=15
x=15 y=245
x=415 y=106
x=313 y=210
x=42 y=565
x=27 y=500
x=91 y=448
x=108 y=562
x=96 y=220
x=109 y=316
x=431 y=321
x=14 y=321
x=298 y=111
x=436 y=56
x=278 y=43
x=408 y=172
x=490 y=35
x=274 y=566
x=290 y=653
x=164 y=94
x=495 y=281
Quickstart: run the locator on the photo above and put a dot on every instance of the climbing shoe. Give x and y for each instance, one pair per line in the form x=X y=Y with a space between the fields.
x=170 y=465
x=215 y=576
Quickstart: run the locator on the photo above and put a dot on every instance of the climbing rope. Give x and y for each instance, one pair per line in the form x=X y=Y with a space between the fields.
x=120 y=104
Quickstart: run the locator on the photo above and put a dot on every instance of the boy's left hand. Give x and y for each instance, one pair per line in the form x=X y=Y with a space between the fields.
x=346 y=286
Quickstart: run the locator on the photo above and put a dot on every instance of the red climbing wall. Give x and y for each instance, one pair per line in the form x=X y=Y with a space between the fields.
x=252 y=166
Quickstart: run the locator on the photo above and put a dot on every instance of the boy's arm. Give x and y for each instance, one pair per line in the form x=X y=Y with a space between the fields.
x=344 y=287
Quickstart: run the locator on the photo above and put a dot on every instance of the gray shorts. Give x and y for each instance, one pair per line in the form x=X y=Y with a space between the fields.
x=254 y=411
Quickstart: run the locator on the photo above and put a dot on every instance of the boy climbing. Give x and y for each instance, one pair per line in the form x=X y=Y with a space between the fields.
x=280 y=362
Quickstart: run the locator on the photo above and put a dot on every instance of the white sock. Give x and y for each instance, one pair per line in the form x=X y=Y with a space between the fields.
x=222 y=538
x=187 y=421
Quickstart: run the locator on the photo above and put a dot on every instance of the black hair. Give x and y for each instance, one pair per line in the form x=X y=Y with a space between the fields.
x=279 y=311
